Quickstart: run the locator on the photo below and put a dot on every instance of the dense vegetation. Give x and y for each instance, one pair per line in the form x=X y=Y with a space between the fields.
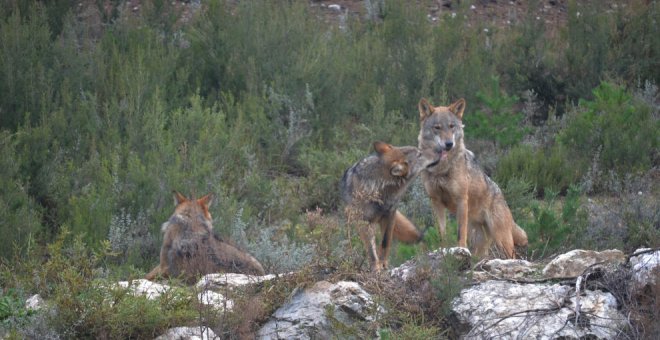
x=104 y=112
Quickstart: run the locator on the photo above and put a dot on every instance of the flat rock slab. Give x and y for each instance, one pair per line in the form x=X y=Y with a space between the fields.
x=323 y=311
x=499 y=309
x=188 y=333
x=575 y=262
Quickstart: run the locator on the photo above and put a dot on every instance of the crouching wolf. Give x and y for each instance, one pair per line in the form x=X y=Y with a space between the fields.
x=190 y=248
x=457 y=183
x=371 y=189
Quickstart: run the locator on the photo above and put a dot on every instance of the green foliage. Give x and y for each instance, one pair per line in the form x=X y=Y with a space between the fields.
x=19 y=214
x=262 y=105
x=614 y=127
x=556 y=225
x=12 y=306
x=87 y=305
x=545 y=169
x=498 y=123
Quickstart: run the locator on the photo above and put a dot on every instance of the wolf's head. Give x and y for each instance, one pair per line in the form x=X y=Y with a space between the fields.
x=441 y=127
x=404 y=161
x=194 y=209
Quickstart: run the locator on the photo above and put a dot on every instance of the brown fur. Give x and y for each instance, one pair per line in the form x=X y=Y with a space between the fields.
x=190 y=248
x=371 y=189
x=457 y=183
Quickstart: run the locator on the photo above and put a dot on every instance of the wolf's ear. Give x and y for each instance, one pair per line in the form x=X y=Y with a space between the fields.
x=178 y=198
x=382 y=147
x=457 y=108
x=206 y=200
x=425 y=109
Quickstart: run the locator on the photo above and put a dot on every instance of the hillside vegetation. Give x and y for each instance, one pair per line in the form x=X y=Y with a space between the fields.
x=104 y=111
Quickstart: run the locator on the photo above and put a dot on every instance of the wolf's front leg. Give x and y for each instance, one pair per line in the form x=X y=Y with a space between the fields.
x=368 y=237
x=462 y=218
x=387 y=224
x=441 y=215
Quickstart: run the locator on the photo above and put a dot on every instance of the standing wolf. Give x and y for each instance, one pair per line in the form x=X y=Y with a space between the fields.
x=190 y=248
x=458 y=184
x=371 y=189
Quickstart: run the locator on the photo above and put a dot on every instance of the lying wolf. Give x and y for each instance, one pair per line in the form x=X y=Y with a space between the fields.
x=190 y=248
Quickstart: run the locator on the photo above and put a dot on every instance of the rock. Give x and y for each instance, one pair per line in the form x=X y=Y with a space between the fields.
x=35 y=303
x=497 y=309
x=645 y=268
x=504 y=269
x=231 y=280
x=575 y=262
x=215 y=300
x=324 y=311
x=435 y=258
x=151 y=290
x=188 y=333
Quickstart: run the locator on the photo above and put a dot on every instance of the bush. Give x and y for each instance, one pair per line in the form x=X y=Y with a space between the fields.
x=555 y=226
x=545 y=169
x=618 y=129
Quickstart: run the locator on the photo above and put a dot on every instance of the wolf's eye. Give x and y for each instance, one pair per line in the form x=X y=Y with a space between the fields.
x=451 y=126
x=437 y=127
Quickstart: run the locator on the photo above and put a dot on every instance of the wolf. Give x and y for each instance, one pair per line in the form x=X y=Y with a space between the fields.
x=191 y=248
x=371 y=189
x=457 y=183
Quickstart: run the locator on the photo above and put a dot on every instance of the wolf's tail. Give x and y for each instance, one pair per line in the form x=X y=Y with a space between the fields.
x=519 y=236
x=405 y=231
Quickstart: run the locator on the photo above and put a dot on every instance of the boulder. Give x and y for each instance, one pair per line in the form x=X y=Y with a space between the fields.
x=324 y=311
x=512 y=269
x=435 y=258
x=575 y=262
x=188 y=333
x=498 y=309
x=231 y=280
x=645 y=265
x=151 y=290
x=34 y=303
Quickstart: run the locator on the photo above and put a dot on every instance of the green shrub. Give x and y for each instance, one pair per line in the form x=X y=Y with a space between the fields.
x=554 y=225
x=616 y=127
x=545 y=169
x=20 y=215
x=498 y=123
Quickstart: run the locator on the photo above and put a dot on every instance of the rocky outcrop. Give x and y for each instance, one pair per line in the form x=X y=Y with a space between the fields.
x=498 y=269
x=645 y=265
x=460 y=256
x=580 y=294
x=188 y=333
x=231 y=280
x=34 y=303
x=575 y=262
x=499 y=309
x=325 y=311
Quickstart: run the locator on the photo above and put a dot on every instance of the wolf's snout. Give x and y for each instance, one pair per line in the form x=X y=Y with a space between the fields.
x=449 y=145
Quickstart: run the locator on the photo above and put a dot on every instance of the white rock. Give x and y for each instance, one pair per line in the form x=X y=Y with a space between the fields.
x=215 y=300
x=188 y=333
x=407 y=269
x=231 y=280
x=34 y=303
x=645 y=268
x=497 y=309
x=151 y=290
x=575 y=262
x=307 y=313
